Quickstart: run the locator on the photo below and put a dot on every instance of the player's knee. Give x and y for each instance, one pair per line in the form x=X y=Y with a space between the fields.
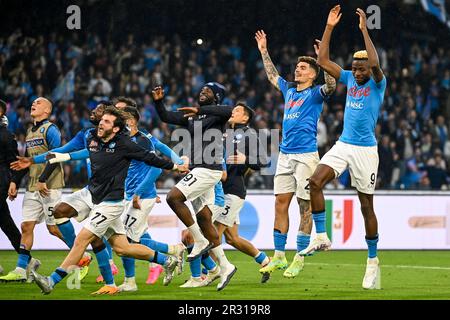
x=281 y=204
x=26 y=227
x=120 y=251
x=232 y=241
x=62 y=210
x=315 y=184
x=172 y=199
x=367 y=210
x=186 y=237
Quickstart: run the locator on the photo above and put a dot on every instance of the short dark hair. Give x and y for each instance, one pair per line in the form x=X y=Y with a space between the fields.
x=128 y=101
x=3 y=106
x=121 y=118
x=247 y=110
x=134 y=112
x=312 y=62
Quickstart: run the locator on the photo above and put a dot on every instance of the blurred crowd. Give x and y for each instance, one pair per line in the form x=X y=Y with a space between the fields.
x=77 y=73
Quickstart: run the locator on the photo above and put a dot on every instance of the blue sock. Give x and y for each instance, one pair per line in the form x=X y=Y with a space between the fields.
x=208 y=262
x=372 y=245
x=130 y=267
x=319 y=218
x=146 y=236
x=260 y=257
x=108 y=248
x=155 y=245
x=57 y=276
x=196 y=267
x=279 y=239
x=204 y=271
x=302 y=241
x=68 y=233
x=24 y=258
x=104 y=266
x=159 y=258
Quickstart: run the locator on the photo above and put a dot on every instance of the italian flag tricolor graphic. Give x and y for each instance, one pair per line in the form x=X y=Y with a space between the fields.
x=339 y=219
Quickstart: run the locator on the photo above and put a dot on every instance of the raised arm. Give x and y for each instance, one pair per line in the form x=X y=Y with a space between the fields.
x=165 y=150
x=138 y=153
x=76 y=143
x=167 y=116
x=271 y=71
x=330 y=83
x=324 y=53
x=374 y=62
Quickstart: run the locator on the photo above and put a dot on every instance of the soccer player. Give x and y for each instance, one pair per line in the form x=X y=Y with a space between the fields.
x=8 y=146
x=140 y=196
x=243 y=156
x=298 y=156
x=198 y=185
x=78 y=204
x=211 y=269
x=357 y=146
x=110 y=154
x=40 y=198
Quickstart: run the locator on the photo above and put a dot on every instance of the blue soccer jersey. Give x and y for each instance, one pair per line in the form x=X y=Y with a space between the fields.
x=361 y=109
x=219 y=195
x=140 y=179
x=301 y=114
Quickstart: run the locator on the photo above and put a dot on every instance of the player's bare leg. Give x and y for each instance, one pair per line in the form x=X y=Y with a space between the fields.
x=303 y=238
x=227 y=270
x=176 y=200
x=372 y=277
x=319 y=179
x=280 y=230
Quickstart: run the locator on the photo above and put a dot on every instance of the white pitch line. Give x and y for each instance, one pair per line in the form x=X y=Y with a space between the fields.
x=381 y=265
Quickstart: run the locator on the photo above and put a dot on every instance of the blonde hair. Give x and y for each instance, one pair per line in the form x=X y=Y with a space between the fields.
x=360 y=55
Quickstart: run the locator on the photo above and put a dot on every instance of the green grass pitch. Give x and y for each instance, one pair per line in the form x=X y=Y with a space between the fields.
x=327 y=275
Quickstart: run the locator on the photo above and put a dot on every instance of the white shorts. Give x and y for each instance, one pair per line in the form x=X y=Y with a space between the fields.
x=198 y=187
x=105 y=219
x=134 y=220
x=38 y=208
x=361 y=161
x=293 y=173
x=81 y=201
x=229 y=214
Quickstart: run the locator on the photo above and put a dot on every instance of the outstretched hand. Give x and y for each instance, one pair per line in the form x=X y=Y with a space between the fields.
x=317 y=47
x=334 y=16
x=158 y=93
x=21 y=163
x=362 y=19
x=261 y=40
x=189 y=111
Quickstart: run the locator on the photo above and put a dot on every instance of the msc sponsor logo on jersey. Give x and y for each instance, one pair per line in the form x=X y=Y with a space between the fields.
x=354 y=105
x=35 y=142
x=291 y=116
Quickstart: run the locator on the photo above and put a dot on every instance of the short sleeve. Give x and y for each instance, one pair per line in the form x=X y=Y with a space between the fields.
x=283 y=85
x=344 y=77
x=380 y=85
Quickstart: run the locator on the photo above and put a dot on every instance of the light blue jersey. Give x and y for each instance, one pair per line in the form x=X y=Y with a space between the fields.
x=301 y=114
x=361 y=110
x=141 y=178
x=219 y=195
